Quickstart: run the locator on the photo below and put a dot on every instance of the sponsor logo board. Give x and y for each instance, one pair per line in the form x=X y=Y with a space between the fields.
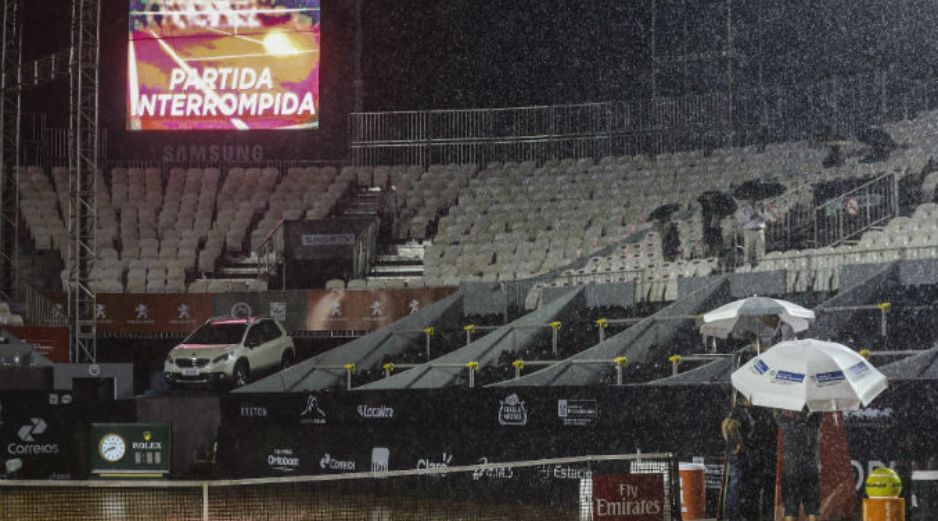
x=253 y=411
x=312 y=413
x=32 y=440
x=549 y=472
x=329 y=462
x=493 y=472
x=283 y=460
x=578 y=412
x=436 y=462
x=381 y=411
x=628 y=497
x=380 y=459
x=512 y=411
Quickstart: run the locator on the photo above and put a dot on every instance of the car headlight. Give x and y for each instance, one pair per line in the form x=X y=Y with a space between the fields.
x=169 y=359
x=222 y=358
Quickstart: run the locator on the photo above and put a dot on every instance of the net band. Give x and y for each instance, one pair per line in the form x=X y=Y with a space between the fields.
x=585 y=488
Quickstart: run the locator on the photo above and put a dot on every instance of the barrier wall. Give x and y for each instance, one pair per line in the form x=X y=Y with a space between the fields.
x=328 y=433
x=129 y=314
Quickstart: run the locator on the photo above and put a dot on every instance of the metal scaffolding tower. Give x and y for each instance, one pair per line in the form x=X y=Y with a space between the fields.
x=9 y=141
x=84 y=137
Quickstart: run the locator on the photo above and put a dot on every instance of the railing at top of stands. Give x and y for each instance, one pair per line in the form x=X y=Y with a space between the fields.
x=803 y=224
x=652 y=126
x=40 y=311
x=851 y=213
x=270 y=253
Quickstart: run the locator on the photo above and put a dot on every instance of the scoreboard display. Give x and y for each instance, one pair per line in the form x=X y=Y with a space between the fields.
x=223 y=64
x=130 y=450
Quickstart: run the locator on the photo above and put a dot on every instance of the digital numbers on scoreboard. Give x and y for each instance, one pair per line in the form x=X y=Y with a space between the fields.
x=130 y=450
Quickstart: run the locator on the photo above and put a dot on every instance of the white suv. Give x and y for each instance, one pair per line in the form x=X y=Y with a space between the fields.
x=227 y=351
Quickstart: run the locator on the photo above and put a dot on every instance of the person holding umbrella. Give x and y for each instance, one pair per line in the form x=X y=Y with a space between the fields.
x=750 y=433
x=801 y=467
x=799 y=379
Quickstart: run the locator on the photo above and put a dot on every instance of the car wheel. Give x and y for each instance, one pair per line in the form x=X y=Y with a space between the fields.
x=287 y=359
x=239 y=378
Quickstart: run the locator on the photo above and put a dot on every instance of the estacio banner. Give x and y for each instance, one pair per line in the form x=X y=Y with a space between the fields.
x=366 y=310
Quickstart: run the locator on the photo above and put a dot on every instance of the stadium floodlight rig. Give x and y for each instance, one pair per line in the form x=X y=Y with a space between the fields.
x=9 y=140
x=83 y=165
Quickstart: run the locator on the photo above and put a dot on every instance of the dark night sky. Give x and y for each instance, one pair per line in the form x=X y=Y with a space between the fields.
x=422 y=54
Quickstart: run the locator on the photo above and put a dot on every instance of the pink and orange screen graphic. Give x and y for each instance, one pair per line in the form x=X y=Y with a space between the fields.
x=223 y=64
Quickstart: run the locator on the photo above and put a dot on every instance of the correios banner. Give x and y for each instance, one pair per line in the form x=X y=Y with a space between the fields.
x=223 y=64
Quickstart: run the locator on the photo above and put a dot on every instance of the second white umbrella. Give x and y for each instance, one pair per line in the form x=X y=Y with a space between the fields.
x=822 y=376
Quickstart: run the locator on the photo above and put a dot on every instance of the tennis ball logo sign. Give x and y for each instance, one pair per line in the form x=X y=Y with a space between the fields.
x=883 y=482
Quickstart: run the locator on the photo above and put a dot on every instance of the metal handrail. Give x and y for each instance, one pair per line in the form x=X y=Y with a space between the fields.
x=854 y=189
x=269 y=252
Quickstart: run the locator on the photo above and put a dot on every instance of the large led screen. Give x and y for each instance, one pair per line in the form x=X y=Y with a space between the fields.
x=223 y=64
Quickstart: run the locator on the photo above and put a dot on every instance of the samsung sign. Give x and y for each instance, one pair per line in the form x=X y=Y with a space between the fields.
x=212 y=153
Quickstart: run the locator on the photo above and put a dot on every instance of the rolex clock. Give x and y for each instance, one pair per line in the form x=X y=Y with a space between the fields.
x=130 y=450
x=112 y=447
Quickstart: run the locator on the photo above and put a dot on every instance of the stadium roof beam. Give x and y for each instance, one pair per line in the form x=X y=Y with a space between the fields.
x=84 y=148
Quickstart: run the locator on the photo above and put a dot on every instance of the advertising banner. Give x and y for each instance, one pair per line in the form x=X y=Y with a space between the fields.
x=51 y=342
x=130 y=450
x=628 y=497
x=226 y=65
x=36 y=435
x=121 y=313
x=366 y=310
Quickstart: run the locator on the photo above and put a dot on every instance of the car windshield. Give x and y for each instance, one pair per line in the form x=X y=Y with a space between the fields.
x=215 y=334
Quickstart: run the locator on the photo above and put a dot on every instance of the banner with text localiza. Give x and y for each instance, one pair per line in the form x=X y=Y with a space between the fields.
x=366 y=310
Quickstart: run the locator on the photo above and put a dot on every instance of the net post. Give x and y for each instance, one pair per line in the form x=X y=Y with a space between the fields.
x=204 y=501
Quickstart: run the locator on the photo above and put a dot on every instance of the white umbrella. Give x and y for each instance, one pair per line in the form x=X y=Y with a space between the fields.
x=742 y=315
x=824 y=376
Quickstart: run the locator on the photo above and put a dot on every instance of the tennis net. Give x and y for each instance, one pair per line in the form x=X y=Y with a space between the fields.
x=583 y=488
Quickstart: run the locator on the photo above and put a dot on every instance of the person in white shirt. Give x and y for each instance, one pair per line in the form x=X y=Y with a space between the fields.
x=752 y=220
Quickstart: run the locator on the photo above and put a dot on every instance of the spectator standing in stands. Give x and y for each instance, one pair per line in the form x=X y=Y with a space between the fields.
x=801 y=463
x=713 y=235
x=752 y=221
x=670 y=240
